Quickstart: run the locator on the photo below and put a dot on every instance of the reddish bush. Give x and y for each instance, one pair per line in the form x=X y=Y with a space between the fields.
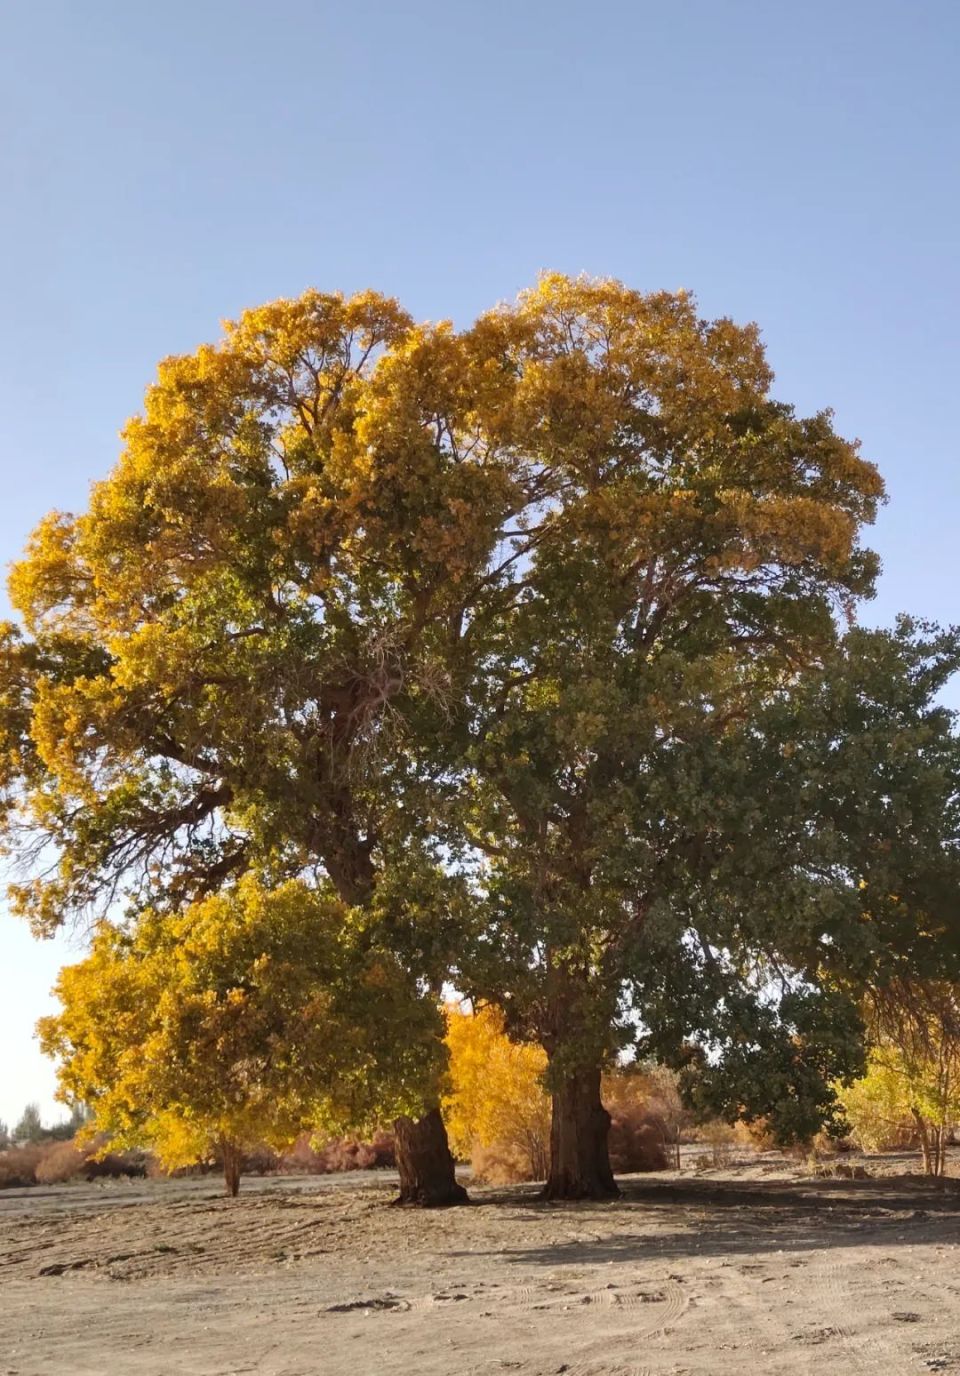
x=59 y=1162
x=385 y=1151
x=343 y=1154
x=637 y=1141
x=638 y=1133
x=301 y=1158
x=18 y=1166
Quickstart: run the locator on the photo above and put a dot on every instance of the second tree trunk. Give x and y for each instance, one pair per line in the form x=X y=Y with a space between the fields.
x=580 y=1125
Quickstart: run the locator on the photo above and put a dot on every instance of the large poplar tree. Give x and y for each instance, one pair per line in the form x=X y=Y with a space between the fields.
x=693 y=545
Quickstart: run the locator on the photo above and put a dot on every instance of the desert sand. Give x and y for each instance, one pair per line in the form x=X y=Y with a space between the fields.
x=758 y=1268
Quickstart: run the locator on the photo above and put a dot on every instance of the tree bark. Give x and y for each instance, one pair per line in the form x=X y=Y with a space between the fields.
x=924 y=1136
x=580 y=1125
x=940 y=1142
x=426 y=1165
x=231 y=1167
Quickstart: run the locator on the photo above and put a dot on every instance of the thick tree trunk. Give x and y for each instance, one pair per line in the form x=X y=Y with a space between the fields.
x=231 y=1167
x=426 y=1165
x=579 y=1158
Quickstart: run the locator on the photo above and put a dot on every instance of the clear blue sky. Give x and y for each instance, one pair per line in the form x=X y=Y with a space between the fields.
x=164 y=166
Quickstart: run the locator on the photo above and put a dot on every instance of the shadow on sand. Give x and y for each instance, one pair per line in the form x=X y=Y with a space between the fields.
x=703 y=1218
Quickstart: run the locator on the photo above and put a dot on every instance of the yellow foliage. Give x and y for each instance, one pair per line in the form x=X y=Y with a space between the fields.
x=496 y=1090
x=912 y=1084
x=245 y=1018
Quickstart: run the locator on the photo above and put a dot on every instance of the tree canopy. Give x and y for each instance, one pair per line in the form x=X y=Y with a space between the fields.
x=511 y=637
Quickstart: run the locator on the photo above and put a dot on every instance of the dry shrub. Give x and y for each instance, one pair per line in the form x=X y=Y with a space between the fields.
x=838 y=1170
x=342 y=1154
x=60 y=1162
x=755 y=1134
x=824 y=1144
x=123 y=1165
x=638 y=1133
x=302 y=1158
x=501 y=1163
x=721 y=1139
x=18 y=1166
x=345 y=1155
x=636 y=1142
x=259 y=1160
x=385 y=1146
x=51 y=1163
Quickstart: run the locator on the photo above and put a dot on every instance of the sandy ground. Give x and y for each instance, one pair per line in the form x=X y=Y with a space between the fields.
x=758 y=1268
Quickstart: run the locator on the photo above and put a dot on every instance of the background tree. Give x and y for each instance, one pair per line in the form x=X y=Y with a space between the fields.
x=496 y=1096
x=30 y=1126
x=878 y=1106
x=253 y=1015
x=913 y=1071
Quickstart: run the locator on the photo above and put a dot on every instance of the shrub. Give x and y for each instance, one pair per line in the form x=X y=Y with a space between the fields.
x=385 y=1149
x=757 y=1134
x=302 y=1158
x=345 y=1154
x=18 y=1166
x=59 y=1162
x=637 y=1141
x=116 y=1166
x=341 y=1154
x=638 y=1133
x=720 y=1138
x=500 y=1163
x=260 y=1160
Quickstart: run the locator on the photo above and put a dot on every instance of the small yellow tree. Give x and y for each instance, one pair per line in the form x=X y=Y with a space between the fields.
x=913 y=1070
x=878 y=1105
x=251 y=1016
x=496 y=1099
